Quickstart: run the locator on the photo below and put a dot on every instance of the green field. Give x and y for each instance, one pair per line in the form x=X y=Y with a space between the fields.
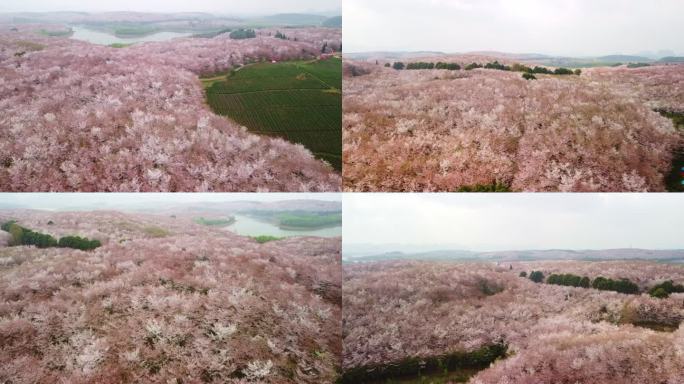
x=221 y=222
x=309 y=220
x=298 y=101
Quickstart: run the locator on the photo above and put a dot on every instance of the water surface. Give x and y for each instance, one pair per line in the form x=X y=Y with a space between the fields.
x=247 y=226
x=103 y=38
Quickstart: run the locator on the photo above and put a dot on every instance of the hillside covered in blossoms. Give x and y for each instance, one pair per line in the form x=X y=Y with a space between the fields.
x=501 y=122
x=76 y=116
x=558 y=321
x=164 y=299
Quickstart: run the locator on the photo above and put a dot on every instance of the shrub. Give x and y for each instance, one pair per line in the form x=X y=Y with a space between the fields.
x=578 y=71
x=664 y=289
x=523 y=274
x=496 y=65
x=420 y=65
x=537 y=276
x=529 y=76
x=487 y=287
x=6 y=225
x=585 y=282
x=542 y=70
x=496 y=187
x=520 y=68
x=659 y=293
x=569 y=280
x=25 y=236
x=398 y=65
x=417 y=366
x=563 y=71
x=78 y=242
x=240 y=34
x=472 y=66
x=621 y=286
x=448 y=66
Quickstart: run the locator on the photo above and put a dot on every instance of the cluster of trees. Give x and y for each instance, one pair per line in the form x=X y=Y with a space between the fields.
x=494 y=187
x=398 y=65
x=422 y=366
x=78 y=242
x=241 y=34
x=638 y=65
x=544 y=70
x=472 y=66
x=24 y=236
x=498 y=66
x=569 y=280
x=280 y=35
x=621 y=285
x=528 y=71
x=438 y=65
x=665 y=289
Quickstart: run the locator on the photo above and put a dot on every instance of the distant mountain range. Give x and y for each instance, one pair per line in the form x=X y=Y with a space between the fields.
x=283 y=19
x=556 y=61
x=390 y=55
x=524 y=255
x=209 y=207
x=298 y=19
x=332 y=22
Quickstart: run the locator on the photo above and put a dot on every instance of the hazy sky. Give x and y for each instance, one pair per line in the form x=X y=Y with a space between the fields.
x=123 y=200
x=237 y=7
x=490 y=222
x=568 y=27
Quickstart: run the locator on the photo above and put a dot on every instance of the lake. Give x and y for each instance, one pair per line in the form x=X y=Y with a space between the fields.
x=103 y=38
x=247 y=226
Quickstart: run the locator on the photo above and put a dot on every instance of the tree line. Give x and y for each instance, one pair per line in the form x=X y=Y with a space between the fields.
x=240 y=34
x=601 y=283
x=24 y=236
x=398 y=65
x=528 y=72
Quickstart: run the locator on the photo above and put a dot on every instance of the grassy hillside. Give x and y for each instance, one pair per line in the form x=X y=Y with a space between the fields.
x=298 y=101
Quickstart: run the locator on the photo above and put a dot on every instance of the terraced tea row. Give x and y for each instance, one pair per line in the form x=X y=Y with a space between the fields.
x=297 y=101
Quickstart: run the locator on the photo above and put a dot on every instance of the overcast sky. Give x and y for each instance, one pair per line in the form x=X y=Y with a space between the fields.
x=124 y=200
x=236 y=7
x=568 y=27
x=491 y=222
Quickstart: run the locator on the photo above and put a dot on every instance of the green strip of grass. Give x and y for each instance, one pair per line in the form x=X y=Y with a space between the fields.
x=215 y=222
x=265 y=238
